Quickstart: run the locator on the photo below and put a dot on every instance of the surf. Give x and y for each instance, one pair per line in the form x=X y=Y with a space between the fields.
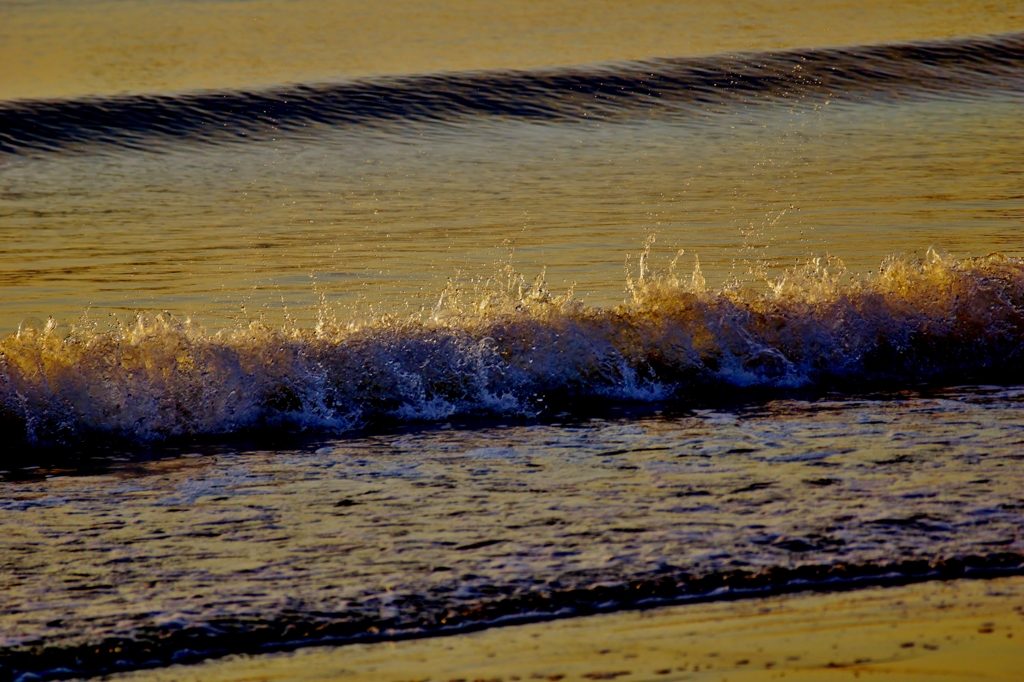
x=508 y=348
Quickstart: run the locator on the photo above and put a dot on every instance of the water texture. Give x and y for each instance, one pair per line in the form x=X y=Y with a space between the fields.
x=377 y=219
x=331 y=344
x=62 y=49
x=510 y=351
x=219 y=551
x=679 y=87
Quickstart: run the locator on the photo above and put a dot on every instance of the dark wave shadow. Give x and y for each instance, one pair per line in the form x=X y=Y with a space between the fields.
x=426 y=615
x=683 y=87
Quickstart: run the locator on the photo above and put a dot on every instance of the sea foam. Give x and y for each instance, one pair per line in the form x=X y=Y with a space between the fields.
x=509 y=349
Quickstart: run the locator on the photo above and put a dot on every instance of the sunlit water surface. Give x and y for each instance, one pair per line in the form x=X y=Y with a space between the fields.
x=289 y=356
x=411 y=530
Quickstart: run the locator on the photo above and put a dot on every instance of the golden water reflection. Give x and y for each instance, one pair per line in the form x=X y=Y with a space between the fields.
x=50 y=48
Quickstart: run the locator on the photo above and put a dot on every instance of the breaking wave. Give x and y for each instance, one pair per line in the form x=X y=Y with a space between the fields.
x=618 y=91
x=511 y=349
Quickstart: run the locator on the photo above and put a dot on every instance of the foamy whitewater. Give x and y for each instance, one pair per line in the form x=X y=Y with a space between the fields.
x=510 y=349
x=349 y=355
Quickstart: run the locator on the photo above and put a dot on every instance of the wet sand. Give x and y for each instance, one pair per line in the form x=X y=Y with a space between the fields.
x=967 y=629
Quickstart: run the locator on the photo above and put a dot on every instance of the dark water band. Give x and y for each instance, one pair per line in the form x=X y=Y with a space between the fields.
x=423 y=616
x=619 y=91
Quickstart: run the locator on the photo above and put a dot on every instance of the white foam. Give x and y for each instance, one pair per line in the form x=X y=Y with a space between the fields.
x=501 y=351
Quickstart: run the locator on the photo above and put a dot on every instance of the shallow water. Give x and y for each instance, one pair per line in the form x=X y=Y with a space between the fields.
x=480 y=313
x=449 y=527
x=912 y=632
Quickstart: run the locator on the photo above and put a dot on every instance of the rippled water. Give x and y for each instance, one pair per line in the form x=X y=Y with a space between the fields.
x=223 y=548
x=311 y=340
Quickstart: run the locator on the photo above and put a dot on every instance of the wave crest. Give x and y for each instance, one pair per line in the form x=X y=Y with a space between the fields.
x=689 y=86
x=510 y=349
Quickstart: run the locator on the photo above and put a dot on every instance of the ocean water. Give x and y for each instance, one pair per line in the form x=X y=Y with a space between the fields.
x=336 y=321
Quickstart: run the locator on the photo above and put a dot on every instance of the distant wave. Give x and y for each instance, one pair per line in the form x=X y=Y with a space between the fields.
x=684 y=86
x=512 y=350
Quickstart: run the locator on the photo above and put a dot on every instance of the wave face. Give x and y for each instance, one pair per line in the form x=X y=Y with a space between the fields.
x=684 y=86
x=511 y=350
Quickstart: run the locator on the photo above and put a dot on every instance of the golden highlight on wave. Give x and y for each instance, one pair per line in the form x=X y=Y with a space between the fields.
x=505 y=347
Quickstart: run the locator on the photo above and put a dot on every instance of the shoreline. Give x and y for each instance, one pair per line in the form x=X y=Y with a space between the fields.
x=963 y=629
